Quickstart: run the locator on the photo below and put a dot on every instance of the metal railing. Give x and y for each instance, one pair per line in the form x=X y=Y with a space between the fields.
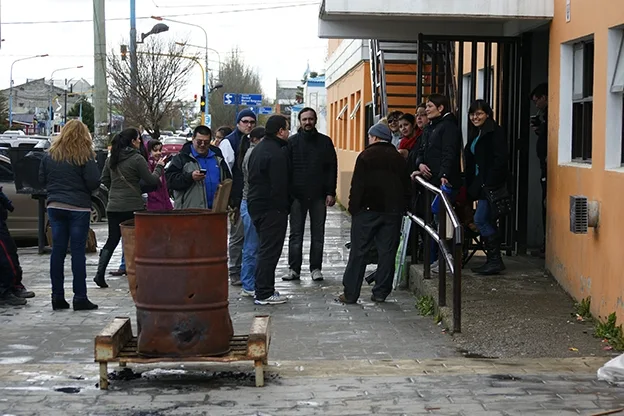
x=452 y=256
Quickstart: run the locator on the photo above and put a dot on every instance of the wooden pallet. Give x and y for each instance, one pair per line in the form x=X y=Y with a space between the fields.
x=117 y=344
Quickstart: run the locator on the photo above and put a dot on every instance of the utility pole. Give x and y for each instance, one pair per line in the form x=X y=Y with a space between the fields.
x=134 y=74
x=100 y=99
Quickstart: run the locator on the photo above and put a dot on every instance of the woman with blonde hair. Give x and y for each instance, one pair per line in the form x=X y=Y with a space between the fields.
x=70 y=174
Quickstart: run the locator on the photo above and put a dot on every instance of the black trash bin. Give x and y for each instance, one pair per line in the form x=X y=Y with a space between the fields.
x=25 y=163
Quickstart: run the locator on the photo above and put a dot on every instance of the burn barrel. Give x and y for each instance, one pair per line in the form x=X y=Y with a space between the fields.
x=127 y=234
x=182 y=278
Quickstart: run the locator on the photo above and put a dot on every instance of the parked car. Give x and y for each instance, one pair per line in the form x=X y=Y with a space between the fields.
x=172 y=145
x=23 y=222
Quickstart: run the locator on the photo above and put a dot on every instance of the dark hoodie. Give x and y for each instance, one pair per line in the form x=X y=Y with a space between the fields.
x=124 y=182
x=440 y=150
x=268 y=177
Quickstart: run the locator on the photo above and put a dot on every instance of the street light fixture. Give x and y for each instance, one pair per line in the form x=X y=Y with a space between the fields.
x=51 y=111
x=216 y=86
x=11 y=85
x=207 y=73
x=158 y=28
x=202 y=47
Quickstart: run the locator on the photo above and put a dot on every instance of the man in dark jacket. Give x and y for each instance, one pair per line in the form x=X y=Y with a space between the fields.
x=539 y=123
x=192 y=188
x=314 y=169
x=268 y=203
x=245 y=122
x=380 y=190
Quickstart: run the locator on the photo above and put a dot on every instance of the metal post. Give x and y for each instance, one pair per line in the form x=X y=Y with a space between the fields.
x=441 y=258
x=65 y=105
x=80 y=113
x=457 y=279
x=100 y=99
x=427 y=242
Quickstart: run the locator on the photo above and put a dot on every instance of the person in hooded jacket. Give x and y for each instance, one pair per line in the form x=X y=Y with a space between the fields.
x=192 y=188
x=245 y=122
x=314 y=170
x=122 y=175
x=486 y=166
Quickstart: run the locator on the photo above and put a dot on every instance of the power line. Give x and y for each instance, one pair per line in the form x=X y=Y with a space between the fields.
x=180 y=6
x=258 y=9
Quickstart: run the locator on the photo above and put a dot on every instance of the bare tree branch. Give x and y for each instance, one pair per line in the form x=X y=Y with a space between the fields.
x=163 y=70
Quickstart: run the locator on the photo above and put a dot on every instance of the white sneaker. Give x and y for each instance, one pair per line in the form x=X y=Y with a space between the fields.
x=247 y=293
x=274 y=299
x=292 y=275
x=435 y=267
x=317 y=275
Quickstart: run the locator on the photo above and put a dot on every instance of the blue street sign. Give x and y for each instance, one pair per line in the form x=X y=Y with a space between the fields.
x=250 y=99
x=265 y=110
x=230 y=99
x=254 y=109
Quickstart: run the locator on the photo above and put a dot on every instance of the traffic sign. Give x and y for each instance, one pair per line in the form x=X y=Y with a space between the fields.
x=209 y=120
x=254 y=109
x=265 y=110
x=250 y=99
x=230 y=99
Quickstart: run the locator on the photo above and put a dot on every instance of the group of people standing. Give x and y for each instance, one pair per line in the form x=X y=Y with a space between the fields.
x=277 y=176
x=426 y=144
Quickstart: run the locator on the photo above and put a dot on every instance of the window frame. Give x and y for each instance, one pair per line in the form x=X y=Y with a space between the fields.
x=582 y=101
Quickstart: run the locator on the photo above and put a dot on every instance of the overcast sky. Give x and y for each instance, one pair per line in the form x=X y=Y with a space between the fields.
x=278 y=42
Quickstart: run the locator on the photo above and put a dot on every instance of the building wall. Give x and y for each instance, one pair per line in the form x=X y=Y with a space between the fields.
x=589 y=264
x=347 y=132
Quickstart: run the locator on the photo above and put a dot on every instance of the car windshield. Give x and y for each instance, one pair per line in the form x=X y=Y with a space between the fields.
x=174 y=140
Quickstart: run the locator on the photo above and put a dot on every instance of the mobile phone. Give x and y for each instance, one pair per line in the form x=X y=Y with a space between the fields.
x=535 y=121
x=202 y=171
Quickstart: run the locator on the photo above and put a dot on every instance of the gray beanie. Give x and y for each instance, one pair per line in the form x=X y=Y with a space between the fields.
x=381 y=131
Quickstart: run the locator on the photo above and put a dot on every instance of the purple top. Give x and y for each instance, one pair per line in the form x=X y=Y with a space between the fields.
x=159 y=199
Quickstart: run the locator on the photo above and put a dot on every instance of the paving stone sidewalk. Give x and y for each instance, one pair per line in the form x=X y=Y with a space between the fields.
x=325 y=359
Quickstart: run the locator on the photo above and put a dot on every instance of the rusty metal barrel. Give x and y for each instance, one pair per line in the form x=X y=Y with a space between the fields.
x=127 y=234
x=182 y=277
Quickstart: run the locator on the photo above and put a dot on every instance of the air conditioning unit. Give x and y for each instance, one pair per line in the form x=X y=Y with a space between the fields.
x=583 y=214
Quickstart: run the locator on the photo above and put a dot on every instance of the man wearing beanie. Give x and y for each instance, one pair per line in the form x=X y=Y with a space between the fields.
x=314 y=173
x=245 y=122
x=268 y=203
x=380 y=190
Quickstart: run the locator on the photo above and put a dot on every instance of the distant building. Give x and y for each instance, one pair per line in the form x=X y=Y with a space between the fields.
x=314 y=96
x=286 y=96
x=31 y=101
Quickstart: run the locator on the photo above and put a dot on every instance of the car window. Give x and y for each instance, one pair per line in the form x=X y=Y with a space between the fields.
x=6 y=173
x=176 y=140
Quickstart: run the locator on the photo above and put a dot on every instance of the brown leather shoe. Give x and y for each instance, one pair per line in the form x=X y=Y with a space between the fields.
x=343 y=299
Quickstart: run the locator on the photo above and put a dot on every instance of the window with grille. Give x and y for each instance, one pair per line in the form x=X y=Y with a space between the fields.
x=582 y=101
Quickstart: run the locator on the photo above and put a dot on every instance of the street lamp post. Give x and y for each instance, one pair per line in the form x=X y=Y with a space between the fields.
x=207 y=75
x=51 y=111
x=202 y=47
x=11 y=85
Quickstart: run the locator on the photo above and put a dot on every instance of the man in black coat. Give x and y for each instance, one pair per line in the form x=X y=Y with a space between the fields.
x=314 y=170
x=380 y=191
x=268 y=203
x=539 y=124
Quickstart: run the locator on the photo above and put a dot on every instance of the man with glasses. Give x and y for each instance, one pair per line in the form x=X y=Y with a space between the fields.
x=393 y=123
x=195 y=173
x=245 y=122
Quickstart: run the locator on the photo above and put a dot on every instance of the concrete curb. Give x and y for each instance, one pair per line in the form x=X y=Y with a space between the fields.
x=429 y=287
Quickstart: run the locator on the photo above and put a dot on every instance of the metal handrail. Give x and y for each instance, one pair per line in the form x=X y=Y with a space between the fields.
x=455 y=260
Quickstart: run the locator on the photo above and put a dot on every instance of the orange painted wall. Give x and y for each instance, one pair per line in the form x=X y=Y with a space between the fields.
x=590 y=264
x=348 y=134
x=332 y=45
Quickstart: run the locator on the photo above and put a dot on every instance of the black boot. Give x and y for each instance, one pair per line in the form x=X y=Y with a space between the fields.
x=486 y=249
x=494 y=263
x=59 y=304
x=84 y=305
x=105 y=256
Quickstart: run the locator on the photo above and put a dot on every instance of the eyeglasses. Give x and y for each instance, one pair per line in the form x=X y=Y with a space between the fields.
x=202 y=142
x=478 y=114
x=248 y=121
x=393 y=120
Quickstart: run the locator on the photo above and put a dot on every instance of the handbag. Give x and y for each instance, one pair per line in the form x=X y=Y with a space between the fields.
x=499 y=199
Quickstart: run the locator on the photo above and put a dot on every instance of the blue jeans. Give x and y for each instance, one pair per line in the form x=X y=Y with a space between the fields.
x=122 y=265
x=69 y=226
x=483 y=219
x=250 y=250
